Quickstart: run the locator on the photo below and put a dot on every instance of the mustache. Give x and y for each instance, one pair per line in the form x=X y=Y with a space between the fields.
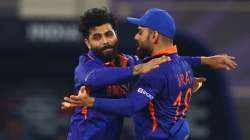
x=107 y=47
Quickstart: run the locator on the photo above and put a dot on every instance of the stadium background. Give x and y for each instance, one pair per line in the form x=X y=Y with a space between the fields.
x=40 y=45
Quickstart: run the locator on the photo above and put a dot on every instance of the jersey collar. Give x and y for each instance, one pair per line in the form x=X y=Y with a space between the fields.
x=166 y=51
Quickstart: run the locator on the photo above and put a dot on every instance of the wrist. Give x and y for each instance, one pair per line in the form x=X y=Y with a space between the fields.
x=136 y=69
x=91 y=102
x=204 y=60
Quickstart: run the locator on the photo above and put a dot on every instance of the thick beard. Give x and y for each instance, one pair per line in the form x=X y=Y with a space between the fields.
x=143 y=52
x=105 y=57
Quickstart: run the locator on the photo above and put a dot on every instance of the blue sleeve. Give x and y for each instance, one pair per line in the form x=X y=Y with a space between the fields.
x=94 y=75
x=133 y=60
x=145 y=90
x=193 y=61
x=123 y=106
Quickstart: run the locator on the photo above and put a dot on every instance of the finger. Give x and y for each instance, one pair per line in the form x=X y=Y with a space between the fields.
x=160 y=60
x=230 y=64
x=77 y=98
x=83 y=90
x=231 y=57
x=233 y=63
x=66 y=99
x=73 y=101
x=198 y=86
x=201 y=79
x=227 y=63
x=156 y=66
x=168 y=58
x=165 y=58
x=68 y=106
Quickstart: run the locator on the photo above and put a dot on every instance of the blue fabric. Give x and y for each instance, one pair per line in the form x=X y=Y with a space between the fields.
x=179 y=131
x=97 y=125
x=92 y=72
x=100 y=124
x=161 y=87
x=158 y=20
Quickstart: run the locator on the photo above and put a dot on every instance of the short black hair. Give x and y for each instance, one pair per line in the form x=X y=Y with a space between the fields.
x=95 y=17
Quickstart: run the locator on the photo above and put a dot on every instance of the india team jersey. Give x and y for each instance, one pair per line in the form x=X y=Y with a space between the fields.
x=159 y=100
x=169 y=90
x=90 y=124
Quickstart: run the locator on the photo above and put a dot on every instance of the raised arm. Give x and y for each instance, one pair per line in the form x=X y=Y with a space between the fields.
x=216 y=62
x=193 y=61
x=144 y=91
x=219 y=61
x=99 y=77
x=96 y=76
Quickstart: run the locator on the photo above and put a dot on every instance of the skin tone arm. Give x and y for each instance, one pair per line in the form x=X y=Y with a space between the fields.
x=83 y=99
x=149 y=66
x=95 y=77
x=215 y=62
x=219 y=61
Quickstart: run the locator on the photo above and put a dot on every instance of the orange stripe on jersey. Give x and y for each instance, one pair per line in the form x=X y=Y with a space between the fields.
x=167 y=50
x=177 y=104
x=85 y=109
x=186 y=100
x=123 y=60
x=152 y=116
x=120 y=61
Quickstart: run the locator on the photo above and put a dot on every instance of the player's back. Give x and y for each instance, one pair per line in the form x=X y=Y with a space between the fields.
x=171 y=103
x=174 y=99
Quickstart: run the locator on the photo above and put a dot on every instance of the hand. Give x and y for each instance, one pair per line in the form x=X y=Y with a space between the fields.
x=198 y=81
x=220 y=62
x=149 y=66
x=82 y=99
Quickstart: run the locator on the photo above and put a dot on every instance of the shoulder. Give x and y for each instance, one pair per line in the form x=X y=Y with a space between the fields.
x=161 y=73
x=132 y=59
x=86 y=64
x=86 y=61
x=154 y=75
x=84 y=58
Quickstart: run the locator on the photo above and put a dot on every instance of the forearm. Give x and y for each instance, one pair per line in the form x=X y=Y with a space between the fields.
x=108 y=76
x=205 y=60
x=126 y=106
x=122 y=107
x=193 y=61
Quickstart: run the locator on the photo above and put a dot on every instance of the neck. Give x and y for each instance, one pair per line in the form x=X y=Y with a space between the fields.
x=158 y=48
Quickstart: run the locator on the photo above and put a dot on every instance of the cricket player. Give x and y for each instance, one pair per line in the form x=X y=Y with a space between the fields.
x=106 y=72
x=160 y=99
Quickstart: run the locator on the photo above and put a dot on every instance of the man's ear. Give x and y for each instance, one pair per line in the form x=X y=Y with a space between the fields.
x=155 y=37
x=116 y=34
x=86 y=41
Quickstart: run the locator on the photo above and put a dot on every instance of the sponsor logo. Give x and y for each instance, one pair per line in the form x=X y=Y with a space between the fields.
x=142 y=91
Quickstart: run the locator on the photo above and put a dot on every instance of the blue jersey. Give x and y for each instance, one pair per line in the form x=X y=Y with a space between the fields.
x=160 y=100
x=89 y=124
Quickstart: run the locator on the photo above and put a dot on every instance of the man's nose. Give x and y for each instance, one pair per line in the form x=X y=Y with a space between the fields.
x=104 y=40
x=136 y=37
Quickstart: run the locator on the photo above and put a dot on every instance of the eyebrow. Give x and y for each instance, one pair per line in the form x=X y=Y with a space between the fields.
x=100 y=33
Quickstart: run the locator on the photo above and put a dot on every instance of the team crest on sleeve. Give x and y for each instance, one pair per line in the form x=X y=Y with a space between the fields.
x=144 y=92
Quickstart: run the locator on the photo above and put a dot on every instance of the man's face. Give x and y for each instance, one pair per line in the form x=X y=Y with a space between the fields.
x=102 y=40
x=143 y=39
